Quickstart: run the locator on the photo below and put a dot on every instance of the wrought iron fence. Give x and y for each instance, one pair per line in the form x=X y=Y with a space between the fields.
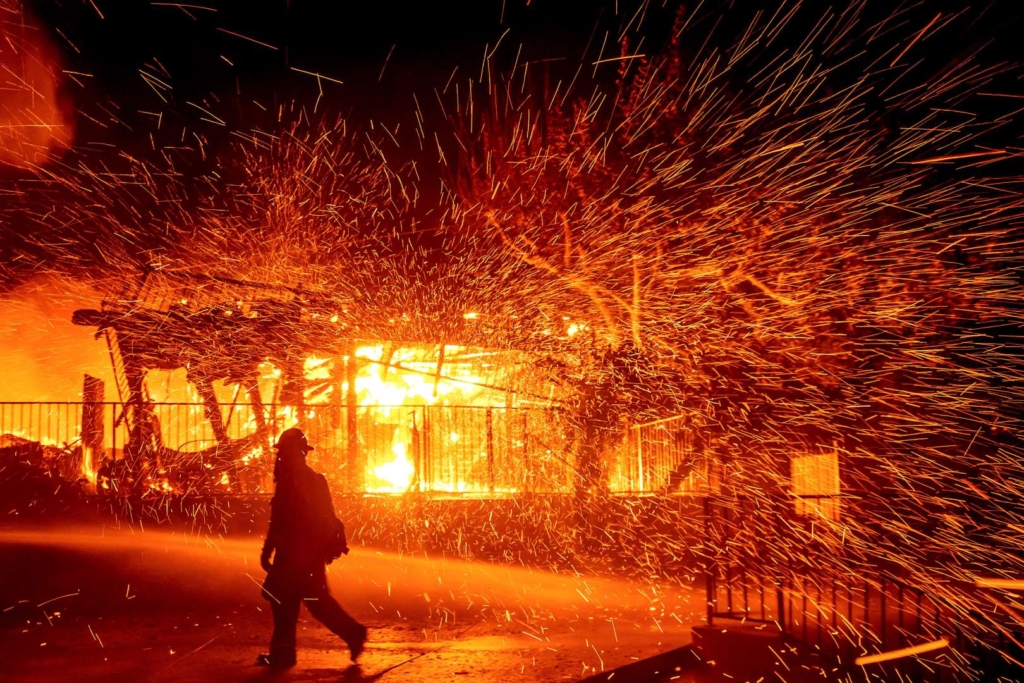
x=665 y=457
x=444 y=449
x=761 y=569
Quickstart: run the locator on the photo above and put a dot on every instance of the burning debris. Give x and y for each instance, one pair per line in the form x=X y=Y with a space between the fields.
x=394 y=416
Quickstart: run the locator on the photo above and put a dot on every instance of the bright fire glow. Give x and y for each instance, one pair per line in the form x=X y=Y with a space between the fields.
x=397 y=473
x=88 y=466
x=389 y=381
x=408 y=378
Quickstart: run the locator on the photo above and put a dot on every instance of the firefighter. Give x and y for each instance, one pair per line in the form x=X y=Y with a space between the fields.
x=304 y=536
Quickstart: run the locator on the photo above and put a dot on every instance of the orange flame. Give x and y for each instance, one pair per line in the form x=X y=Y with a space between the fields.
x=32 y=124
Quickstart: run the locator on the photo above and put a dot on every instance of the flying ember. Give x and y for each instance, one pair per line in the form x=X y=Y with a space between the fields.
x=609 y=340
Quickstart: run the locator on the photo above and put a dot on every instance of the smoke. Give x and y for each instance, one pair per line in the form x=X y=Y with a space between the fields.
x=42 y=355
x=32 y=125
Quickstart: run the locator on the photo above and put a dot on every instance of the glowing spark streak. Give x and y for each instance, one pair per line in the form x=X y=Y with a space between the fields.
x=318 y=75
x=617 y=59
x=251 y=40
x=183 y=6
x=59 y=597
x=386 y=60
x=260 y=584
x=777 y=150
x=1004 y=584
x=904 y=652
x=957 y=157
x=916 y=38
x=215 y=118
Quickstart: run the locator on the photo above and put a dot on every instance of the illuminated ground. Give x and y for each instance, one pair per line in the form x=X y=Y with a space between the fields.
x=108 y=604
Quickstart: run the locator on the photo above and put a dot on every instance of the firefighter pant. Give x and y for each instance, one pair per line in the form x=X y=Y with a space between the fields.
x=322 y=606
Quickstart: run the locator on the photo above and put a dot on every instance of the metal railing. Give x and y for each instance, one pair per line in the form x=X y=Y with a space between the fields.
x=664 y=457
x=761 y=568
x=445 y=449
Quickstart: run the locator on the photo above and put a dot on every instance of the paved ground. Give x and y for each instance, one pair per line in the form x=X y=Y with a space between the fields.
x=105 y=604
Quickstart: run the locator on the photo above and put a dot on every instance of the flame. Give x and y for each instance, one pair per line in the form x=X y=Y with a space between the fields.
x=43 y=360
x=31 y=121
x=380 y=384
x=574 y=329
x=289 y=417
x=397 y=473
x=388 y=379
x=315 y=368
x=161 y=485
x=409 y=377
x=255 y=454
x=89 y=466
x=13 y=436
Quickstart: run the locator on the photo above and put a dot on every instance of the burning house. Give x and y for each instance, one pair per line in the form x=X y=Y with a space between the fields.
x=207 y=372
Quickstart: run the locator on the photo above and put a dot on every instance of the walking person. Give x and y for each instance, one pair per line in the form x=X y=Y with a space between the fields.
x=304 y=537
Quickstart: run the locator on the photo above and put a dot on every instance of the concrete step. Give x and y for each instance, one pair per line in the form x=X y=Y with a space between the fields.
x=734 y=652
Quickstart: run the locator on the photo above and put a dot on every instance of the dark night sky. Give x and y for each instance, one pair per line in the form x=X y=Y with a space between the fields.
x=346 y=41
x=351 y=41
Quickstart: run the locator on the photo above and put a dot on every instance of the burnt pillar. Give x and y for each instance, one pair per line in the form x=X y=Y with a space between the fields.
x=92 y=425
x=258 y=411
x=212 y=409
x=140 y=451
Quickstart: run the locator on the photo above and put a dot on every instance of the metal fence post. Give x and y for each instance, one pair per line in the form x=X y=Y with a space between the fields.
x=639 y=461
x=709 y=582
x=528 y=477
x=490 y=449
x=113 y=432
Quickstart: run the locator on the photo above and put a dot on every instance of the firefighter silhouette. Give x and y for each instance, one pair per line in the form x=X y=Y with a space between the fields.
x=304 y=537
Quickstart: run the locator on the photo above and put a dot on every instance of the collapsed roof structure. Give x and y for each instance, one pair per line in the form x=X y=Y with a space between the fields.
x=223 y=332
